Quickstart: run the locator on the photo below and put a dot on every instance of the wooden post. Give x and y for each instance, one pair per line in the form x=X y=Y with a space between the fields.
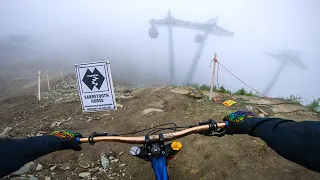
x=61 y=75
x=213 y=72
x=48 y=81
x=39 y=82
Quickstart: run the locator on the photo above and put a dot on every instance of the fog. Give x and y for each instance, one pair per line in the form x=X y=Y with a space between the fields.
x=62 y=33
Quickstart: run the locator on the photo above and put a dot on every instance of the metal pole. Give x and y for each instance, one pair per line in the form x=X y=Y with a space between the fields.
x=61 y=75
x=39 y=82
x=171 y=53
x=196 y=59
x=213 y=72
x=48 y=81
x=274 y=79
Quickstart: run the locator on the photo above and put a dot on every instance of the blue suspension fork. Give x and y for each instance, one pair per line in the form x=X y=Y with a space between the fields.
x=160 y=168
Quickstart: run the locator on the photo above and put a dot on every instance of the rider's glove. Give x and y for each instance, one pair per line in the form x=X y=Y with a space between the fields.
x=238 y=122
x=67 y=139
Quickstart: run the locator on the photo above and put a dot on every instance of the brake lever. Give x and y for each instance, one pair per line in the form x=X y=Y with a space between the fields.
x=214 y=130
x=95 y=134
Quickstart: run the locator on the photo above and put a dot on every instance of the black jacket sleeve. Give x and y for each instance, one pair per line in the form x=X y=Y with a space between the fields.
x=298 y=142
x=14 y=153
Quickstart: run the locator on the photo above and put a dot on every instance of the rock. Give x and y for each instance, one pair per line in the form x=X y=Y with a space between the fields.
x=39 y=134
x=286 y=108
x=194 y=171
x=84 y=165
x=263 y=101
x=180 y=90
x=52 y=168
x=56 y=123
x=114 y=160
x=26 y=168
x=66 y=166
x=47 y=178
x=122 y=165
x=113 y=174
x=119 y=106
x=5 y=132
x=94 y=169
x=149 y=110
x=85 y=175
x=187 y=113
x=39 y=167
x=104 y=115
x=94 y=178
x=122 y=96
x=104 y=161
x=88 y=119
x=262 y=111
x=126 y=91
x=111 y=157
x=249 y=108
x=197 y=94
x=200 y=101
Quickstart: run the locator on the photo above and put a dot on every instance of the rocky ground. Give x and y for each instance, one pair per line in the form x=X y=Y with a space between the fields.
x=228 y=157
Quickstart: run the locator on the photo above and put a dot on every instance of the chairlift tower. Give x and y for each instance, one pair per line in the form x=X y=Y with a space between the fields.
x=209 y=27
x=284 y=57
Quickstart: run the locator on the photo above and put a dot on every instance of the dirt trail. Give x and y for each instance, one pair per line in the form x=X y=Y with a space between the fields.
x=228 y=157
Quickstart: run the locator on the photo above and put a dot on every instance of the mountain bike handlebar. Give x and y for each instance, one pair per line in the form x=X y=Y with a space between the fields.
x=153 y=138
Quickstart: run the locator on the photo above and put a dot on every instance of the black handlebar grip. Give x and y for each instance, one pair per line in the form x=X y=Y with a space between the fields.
x=204 y=122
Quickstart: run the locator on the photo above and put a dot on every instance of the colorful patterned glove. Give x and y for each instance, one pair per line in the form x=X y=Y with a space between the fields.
x=68 y=140
x=237 y=122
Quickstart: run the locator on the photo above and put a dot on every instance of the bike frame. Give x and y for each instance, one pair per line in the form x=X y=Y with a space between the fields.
x=160 y=168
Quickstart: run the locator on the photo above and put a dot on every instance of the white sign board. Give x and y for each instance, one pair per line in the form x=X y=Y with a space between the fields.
x=95 y=86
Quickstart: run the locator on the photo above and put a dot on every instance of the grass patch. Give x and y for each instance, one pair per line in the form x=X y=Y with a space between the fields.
x=244 y=92
x=315 y=105
x=297 y=99
x=205 y=87
x=223 y=90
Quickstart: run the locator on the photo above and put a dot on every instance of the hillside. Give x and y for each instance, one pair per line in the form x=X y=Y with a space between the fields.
x=228 y=157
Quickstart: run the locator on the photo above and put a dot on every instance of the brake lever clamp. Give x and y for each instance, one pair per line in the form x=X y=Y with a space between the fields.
x=95 y=134
x=214 y=130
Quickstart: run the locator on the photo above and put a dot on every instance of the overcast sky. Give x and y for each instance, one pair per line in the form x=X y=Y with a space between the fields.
x=79 y=31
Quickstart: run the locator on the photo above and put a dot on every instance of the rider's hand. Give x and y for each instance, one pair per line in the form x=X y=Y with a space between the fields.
x=67 y=139
x=237 y=123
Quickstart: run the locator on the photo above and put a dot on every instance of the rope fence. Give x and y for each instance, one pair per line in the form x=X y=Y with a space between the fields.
x=258 y=92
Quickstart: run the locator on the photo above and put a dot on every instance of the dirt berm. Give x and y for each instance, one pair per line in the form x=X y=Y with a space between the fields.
x=228 y=157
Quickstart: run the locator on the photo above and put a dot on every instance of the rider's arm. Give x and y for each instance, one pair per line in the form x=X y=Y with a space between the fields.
x=296 y=141
x=14 y=153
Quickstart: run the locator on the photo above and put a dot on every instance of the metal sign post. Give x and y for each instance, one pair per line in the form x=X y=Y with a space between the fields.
x=48 y=81
x=39 y=83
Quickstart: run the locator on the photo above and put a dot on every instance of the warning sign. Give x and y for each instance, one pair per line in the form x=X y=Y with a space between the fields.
x=95 y=86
